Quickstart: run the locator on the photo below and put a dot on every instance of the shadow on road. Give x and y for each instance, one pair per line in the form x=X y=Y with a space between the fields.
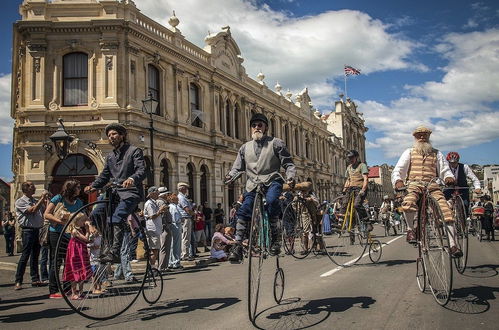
x=482 y=271
x=169 y=307
x=295 y=313
x=35 y=316
x=472 y=300
x=388 y=263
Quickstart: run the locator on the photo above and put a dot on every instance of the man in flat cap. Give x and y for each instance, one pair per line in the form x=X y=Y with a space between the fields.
x=186 y=211
x=419 y=165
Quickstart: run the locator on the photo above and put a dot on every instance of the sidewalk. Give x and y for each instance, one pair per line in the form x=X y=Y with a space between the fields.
x=9 y=263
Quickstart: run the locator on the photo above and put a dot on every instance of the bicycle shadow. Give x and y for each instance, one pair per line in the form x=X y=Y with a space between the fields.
x=35 y=316
x=472 y=300
x=169 y=307
x=482 y=271
x=388 y=263
x=295 y=313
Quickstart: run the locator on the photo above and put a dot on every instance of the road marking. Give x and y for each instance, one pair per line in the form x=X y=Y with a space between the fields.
x=337 y=269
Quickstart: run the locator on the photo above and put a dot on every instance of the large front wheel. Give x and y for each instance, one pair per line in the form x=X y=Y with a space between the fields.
x=436 y=252
x=95 y=290
x=256 y=254
x=461 y=233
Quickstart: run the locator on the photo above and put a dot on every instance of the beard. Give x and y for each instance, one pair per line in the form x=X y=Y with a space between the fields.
x=257 y=136
x=423 y=148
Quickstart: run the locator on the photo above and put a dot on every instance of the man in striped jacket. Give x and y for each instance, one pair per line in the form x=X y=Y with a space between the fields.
x=419 y=165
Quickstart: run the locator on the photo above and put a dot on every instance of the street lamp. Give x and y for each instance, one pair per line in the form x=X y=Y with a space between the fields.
x=149 y=106
x=61 y=140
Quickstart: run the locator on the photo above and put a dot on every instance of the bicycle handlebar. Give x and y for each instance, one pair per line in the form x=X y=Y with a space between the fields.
x=232 y=179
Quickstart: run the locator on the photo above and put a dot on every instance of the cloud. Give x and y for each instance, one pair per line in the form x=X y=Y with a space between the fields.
x=297 y=52
x=462 y=108
x=5 y=121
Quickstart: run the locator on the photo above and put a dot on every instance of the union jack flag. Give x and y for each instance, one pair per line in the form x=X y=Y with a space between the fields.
x=351 y=71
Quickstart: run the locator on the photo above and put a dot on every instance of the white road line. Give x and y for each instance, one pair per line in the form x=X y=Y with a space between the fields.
x=337 y=269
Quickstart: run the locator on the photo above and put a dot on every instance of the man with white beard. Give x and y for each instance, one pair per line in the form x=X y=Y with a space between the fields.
x=261 y=159
x=418 y=165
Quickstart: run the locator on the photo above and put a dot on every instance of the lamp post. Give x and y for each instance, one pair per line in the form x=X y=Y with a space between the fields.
x=149 y=106
x=61 y=140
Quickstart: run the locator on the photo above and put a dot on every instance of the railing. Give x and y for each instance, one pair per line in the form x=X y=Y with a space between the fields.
x=168 y=36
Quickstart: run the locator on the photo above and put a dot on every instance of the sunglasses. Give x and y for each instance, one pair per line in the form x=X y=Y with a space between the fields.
x=255 y=125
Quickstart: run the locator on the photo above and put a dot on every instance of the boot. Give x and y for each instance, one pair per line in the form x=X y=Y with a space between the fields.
x=113 y=255
x=275 y=242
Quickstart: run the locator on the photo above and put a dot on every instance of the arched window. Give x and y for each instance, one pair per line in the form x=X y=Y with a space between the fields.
x=196 y=112
x=190 y=178
x=153 y=85
x=297 y=142
x=237 y=126
x=75 y=82
x=307 y=147
x=272 y=128
x=165 y=173
x=227 y=118
x=203 y=184
x=221 y=114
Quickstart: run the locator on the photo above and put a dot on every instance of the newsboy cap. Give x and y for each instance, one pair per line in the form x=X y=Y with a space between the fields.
x=421 y=129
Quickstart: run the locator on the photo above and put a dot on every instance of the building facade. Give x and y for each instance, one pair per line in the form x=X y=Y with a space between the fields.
x=92 y=63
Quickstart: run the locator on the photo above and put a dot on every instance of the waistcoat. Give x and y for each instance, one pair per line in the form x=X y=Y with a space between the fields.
x=423 y=168
x=355 y=175
x=261 y=169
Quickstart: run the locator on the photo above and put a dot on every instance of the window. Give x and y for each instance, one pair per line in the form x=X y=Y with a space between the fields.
x=236 y=121
x=272 y=128
x=196 y=113
x=221 y=114
x=153 y=86
x=165 y=173
x=75 y=82
x=227 y=118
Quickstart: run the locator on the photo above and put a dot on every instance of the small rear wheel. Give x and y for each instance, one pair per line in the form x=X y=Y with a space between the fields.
x=278 y=285
x=153 y=288
x=375 y=251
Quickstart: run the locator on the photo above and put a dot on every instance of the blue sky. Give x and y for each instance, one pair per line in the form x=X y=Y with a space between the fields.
x=422 y=62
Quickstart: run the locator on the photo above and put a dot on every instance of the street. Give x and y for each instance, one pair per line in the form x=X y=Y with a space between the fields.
x=318 y=295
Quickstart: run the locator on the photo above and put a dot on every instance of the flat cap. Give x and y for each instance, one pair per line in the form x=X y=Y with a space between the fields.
x=421 y=129
x=182 y=184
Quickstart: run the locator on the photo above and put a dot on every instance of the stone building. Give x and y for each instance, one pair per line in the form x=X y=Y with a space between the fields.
x=92 y=63
x=380 y=183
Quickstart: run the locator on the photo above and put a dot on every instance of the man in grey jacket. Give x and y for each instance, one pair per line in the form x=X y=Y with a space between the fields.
x=261 y=160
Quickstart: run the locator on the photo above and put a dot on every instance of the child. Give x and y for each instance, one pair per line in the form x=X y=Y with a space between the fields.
x=77 y=265
x=97 y=270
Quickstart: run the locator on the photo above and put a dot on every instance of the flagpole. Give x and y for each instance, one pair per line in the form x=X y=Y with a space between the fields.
x=345 y=76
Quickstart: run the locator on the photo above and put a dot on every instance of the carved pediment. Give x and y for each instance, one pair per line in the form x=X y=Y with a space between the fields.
x=225 y=52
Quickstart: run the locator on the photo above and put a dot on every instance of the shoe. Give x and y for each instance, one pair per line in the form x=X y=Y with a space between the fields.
x=134 y=261
x=275 y=249
x=45 y=282
x=113 y=256
x=18 y=286
x=76 y=297
x=411 y=236
x=10 y=254
x=236 y=254
x=36 y=284
x=133 y=279
x=455 y=252
x=55 y=296
x=179 y=267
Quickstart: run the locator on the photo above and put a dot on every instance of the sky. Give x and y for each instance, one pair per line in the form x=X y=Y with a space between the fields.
x=433 y=63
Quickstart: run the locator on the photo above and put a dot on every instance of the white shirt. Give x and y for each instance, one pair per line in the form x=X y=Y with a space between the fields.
x=469 y=174
x=401 y=169
x=153 y=224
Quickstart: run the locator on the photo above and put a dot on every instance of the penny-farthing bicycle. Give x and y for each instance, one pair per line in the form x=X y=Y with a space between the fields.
x=257 y=250
x=104 y=293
